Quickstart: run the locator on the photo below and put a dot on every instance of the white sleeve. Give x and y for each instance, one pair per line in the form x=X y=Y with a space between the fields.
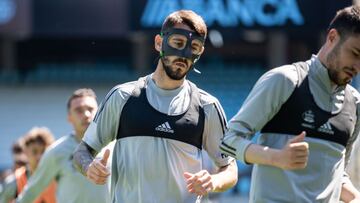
x=214 y=129
x=264 y=101
x=352 y=161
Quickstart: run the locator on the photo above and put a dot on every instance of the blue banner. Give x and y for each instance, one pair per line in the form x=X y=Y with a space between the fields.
x=233 y=14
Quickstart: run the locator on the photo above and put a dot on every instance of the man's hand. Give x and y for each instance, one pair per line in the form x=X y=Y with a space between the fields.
x=349 y=194
x=200 y=183
x=294 y=155
x=97 y=171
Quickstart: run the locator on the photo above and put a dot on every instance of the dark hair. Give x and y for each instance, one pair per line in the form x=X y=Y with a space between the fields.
x=16 y=148
x=187 y=17
x=40 y=135
x=83 y=92
x=346 y=21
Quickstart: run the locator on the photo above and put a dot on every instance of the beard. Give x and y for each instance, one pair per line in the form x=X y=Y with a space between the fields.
x=174 y=73
x=333 y=65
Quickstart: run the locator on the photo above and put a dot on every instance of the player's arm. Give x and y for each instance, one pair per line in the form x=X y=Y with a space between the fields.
x=225 y=177
x=98 y=134
x=83 y=156
x=349 y=191
x=294 y=155
x=266 y=98
x=202 y=182
x=93 y=168
x=101 y=132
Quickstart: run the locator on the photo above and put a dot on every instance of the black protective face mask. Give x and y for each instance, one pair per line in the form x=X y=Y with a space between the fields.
x=185 y=50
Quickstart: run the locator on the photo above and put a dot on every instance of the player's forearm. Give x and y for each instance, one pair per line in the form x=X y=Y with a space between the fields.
x=349 y=193
x=83 y=156
x=257 y=154
x=248 y=152
x=226 y=177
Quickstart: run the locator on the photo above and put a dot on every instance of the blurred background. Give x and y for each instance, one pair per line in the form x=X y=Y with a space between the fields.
x=50 y=48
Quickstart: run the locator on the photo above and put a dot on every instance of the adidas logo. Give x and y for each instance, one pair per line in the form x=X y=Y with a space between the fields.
x=326 y=128
x=165 y=127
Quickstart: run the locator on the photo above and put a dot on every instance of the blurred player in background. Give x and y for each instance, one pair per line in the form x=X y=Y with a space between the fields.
x=57 y=163
x=19 y=160
x=33 y=144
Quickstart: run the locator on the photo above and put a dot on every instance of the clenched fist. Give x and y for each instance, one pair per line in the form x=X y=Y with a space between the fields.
x=295 y=153
x=97 y=171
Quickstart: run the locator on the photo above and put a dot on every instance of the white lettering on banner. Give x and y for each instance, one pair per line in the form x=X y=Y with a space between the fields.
x=226 y=13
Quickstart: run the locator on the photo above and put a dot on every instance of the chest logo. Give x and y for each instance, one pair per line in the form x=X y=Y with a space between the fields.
x=165 y=127
x=326 y=128
x=308 y=116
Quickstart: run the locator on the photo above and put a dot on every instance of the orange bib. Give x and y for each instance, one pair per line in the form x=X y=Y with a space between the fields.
x=47 y=196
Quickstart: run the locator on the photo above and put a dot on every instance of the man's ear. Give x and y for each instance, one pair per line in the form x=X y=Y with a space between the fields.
x=69 y=119
x=158 y=42
x=332 y=37
x=202 y=50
